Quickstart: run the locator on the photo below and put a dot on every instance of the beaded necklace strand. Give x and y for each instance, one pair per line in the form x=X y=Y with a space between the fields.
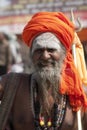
x=58 y=115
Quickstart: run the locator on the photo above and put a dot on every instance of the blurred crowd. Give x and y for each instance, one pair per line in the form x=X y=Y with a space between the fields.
x=14 y=54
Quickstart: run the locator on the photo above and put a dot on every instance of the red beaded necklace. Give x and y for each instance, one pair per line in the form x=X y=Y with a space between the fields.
x=55 y=121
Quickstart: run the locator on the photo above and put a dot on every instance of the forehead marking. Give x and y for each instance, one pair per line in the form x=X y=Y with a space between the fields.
x=46 y=40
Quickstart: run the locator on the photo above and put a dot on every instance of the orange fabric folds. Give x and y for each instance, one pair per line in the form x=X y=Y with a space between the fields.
x=71 y=84
x=54 y=22
x=81 y=65
x=63 y=28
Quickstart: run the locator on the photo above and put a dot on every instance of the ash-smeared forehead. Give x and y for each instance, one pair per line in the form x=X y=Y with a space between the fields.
x=46 y=40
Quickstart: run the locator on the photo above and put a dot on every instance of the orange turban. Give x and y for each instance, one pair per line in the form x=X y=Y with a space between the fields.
x=54 y=22
x=63 y=28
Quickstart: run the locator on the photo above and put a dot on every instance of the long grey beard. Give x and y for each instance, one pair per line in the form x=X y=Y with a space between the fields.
x=46 y=78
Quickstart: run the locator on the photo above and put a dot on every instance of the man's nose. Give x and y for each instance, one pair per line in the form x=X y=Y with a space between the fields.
x=45 y=55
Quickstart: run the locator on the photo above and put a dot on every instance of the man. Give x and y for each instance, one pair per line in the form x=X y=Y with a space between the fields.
x=49 y=98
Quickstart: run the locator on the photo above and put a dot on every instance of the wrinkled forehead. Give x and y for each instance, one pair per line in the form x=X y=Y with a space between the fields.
x=46 y=40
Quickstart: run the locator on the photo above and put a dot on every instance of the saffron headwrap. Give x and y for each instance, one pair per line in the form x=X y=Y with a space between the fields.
x=63 y=28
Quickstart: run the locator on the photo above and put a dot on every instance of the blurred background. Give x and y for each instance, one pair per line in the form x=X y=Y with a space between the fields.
x=14 y=14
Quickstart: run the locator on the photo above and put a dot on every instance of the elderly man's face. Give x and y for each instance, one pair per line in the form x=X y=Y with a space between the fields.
x=46 y=51
x=45 y=57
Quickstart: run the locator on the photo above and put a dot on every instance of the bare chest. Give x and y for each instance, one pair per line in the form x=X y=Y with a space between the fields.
x=23 y=116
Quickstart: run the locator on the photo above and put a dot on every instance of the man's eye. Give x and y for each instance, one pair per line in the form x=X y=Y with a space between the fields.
x=51 y=50
x=38 y=51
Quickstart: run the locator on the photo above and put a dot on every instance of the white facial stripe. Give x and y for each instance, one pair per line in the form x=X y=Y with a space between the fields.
x=46 y=40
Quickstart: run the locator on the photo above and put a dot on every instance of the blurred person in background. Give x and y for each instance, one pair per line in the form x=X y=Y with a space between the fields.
x=25 y=56
x=5 y=54
x=17 y=60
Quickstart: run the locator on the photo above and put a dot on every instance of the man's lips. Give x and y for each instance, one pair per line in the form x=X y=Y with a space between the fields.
x=46 y=63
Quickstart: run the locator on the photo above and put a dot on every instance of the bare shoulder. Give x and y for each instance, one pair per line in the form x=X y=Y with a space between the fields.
x=11 y=78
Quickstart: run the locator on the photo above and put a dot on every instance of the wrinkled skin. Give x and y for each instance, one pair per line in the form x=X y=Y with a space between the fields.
x=22 y=113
